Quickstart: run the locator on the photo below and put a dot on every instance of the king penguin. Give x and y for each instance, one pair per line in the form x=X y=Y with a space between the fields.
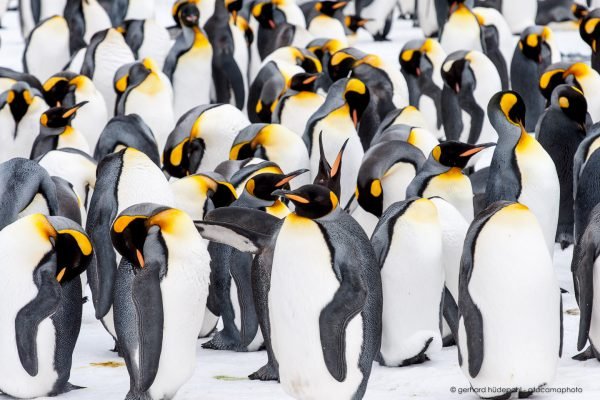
x=504 y=257
x=588 y=80
x=42 y=297
x=330 y=347
x=521 y=170
x=589 y=30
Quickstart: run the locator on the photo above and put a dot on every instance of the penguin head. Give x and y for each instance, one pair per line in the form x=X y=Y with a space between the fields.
x=551 y=78
x=456 y=72
x=311 y=201
x=146 y=233
x=268 y=15
x=73 y=247
x=506 y=111
x=354 y=23
x=577 y=72
x=178 y=5
x=59 y=117
x=533 y=43
x=330 y=175
x=57 y=87
x=357 y=96
x=19 y=97
x=307 y=60
x=572 y=102
x=263 y=185
x=324 y=48
x=340 y=64
x=589 y=28
x=414 y=59
x=305 y=82
x=579 y=11
x=454 y=154
x=204 y=192
x=139 y=71
x=329 y=8
x=188 y=15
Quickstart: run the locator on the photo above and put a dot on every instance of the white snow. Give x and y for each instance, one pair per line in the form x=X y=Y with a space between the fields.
x=222 y=375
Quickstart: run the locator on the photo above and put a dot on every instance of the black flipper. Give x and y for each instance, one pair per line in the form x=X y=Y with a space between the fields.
x=147 y=298
x=242 y=228
x=241 y=274
x=452 y=119
x=347 y=302
x=450 y=311
x=44 y=304
x=583 y=275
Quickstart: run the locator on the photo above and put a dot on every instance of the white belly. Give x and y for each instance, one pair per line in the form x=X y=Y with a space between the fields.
x=300 y=288
x=297 y=112
x=595 y=322
x=48 y=49
x=413 y=282
x=96 y=19
x=91 y=119
x=458 y=36
x=140 y=9
x=327 y=27
x=395 y=182
x=156 y=110
x=514 y=286
x=192 y=81
x=156 y=43
x=457 y=192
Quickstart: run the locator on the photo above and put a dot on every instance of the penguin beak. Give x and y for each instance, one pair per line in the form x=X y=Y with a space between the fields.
x=310 y=79
x=74 y=109
x=271 y=23
x=339 y=5
x=293 y=196
x=335 y=168
x=476 y=150
x=234 y=15
x=290 y=176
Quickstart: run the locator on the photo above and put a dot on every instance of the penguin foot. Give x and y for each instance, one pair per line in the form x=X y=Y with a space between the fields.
x=209 y=334
x=67 y=388
x=138 y=396
x=378 y=37
x=587 y=354
x=117 y=349
x=524 y=395
x=448 y=341
x=564 y=239
x=222 y=342
x=563 y=290
x=419 y=358
x=265 y=373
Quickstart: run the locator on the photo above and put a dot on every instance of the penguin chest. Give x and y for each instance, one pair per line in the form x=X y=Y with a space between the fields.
x=395 y=181
x=594 y=333
x=461 y=32
x=413 y=281
x=514 y=286
x=192 y=79
x=540 y=188
x=74 y=139
x=324 y=26
x=95 y=18
x=297 y=110
x=455 y=188
x=184 y=291
x=303 y=283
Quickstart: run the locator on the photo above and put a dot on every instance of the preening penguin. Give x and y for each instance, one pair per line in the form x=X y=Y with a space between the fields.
x=127 y=131
x=327 y=20
x=421 y=63
x=149 y=94
x=68 y=89
x=552 y=77
x=42 y=295
x=337 y=120
x=408 y=245
x=202 y=139
x=442 y=176
x=385 y=172
x=104 y=55
x=27 y=189
x=534 y=53
x=560 y=131
x=161 y=287
x=299 y=102
x=189 y=63
x=590 y=33
x=56 y=132
x=21 y=107
x=504 y=257
x=329 y=346
x=588 y=80
x=272 y=142
x=125 y=178
x=470 y=81
x=521 y=170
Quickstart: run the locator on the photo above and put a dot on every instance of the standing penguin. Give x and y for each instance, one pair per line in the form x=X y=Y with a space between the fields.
x=189 y=63
x=125 y=178
x=408 y=245
x=504 y=257
x=337 y=120
x=421 y=63
x=161 y=287
x=442 y=176
x=106 y=52
x=42 y=295
x=521 y=170
x=272 y=142
x=20 y=110
x=202 y=139
x=67 y=89
x=56 y=132
x=149 y=94
x=462 y=30
x=560 y=131
x=534 y=53
x=332 y=340
x=470 y=81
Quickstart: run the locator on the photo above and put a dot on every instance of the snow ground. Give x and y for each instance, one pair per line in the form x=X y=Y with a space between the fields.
x=222 y=375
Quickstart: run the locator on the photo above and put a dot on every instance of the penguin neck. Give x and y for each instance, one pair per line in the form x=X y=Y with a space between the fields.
x=47 y=131
x=246 y=200
x=194 y=36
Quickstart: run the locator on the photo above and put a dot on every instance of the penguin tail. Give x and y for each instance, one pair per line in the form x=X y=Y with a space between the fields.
x=66 y=389
x=138 y=396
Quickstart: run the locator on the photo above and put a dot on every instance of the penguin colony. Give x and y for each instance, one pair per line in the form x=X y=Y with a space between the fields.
x=249 y=165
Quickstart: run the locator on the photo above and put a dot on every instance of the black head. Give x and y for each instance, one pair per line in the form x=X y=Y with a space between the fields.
x=357 y=96
x=263 y=185
x=572 y=102
x=340 y=64
x=305 y=82
x=19 y=98
x=589 y=28
x=456 y=154
x=354 y=23
x=506 y=109
x=532 y=41
x=234 y=7
x=59 y=117
x=551 y=78
x=329 y=8
x=330 y=175
x=188 y=15
x=57 y=87
x=73 y=247
x=268 y=15
x=579 y=11
x=311 y=201
x=457 y=73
